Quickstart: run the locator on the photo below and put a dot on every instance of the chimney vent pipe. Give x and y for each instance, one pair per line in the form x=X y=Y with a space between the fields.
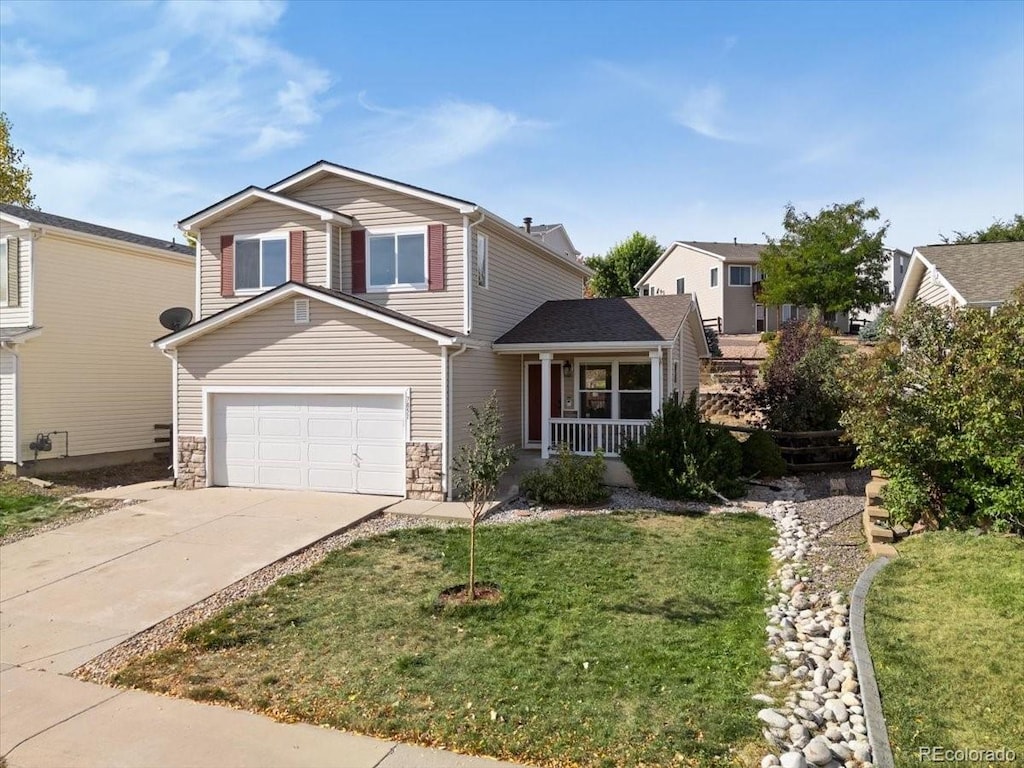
x=527 y=222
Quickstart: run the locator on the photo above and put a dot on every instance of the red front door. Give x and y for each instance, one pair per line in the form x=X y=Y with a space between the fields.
x=533 y=430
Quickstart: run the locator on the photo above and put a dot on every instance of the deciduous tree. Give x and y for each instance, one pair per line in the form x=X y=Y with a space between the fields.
x=621 y=268
x=997 y=232
x=831 y=261
x=15 y=176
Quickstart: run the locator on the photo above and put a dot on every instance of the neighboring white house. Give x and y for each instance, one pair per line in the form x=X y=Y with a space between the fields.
x=79 y=305
x=553 y=236
x=963 y=275
x=897 y=263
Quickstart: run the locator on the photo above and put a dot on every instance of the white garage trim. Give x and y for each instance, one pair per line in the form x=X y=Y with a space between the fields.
x=209 y=392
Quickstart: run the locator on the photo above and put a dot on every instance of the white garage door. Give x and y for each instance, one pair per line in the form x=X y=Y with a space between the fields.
x=351 y=443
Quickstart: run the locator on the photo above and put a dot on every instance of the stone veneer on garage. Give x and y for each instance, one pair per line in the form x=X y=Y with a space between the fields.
x=423 y=471
x=422 y=467
x=191 y=462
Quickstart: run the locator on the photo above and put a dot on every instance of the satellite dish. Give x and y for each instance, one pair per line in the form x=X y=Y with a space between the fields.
x=175 y=318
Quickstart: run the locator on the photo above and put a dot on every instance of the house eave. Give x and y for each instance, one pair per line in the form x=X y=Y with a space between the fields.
x=249 y=195
x=580 y=346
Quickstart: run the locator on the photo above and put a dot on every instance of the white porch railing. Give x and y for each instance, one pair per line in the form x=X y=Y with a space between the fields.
x=587 y=436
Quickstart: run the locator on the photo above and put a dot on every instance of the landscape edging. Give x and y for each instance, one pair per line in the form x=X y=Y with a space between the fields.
x=878 y=735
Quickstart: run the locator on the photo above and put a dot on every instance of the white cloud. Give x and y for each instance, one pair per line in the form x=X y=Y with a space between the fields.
x=438 y=135
x=42 y=87
x=224 y=16
x=702 y=112
x=272 y=138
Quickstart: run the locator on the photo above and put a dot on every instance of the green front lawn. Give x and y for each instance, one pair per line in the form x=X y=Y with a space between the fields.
x=21 y=507
x=631 y=639
x=945 y=625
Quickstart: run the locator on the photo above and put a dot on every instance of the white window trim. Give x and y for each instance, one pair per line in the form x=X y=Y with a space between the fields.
x=399 y=287
x=482 y=272
x=748 y=267
x=615 y=391
x=677 y=285
x=713 y=277
x=276 y=235
x=787 y=309
x=4 y=260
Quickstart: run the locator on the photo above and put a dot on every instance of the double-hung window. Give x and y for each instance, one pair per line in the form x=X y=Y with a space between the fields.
x=481 y=260
x=397 y=260
x=680 y=285
x=787 y=313
x=260 y=262
x=615 y=390
x=714 y=277
x=741 y=275
x=4 y=266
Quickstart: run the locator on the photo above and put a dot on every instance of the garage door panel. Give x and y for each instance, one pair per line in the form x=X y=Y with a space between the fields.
x=272 y=450
x=330 y=453
x=353 y=443
x=329 y=427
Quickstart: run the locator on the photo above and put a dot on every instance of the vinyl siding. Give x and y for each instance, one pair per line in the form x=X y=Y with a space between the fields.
x=8 y=403
x=337 y=348
x=21 y=315
x=258 y=218
x=372 y=207
x=695 y=268
x=518 y=281
x=92 y=370
x=688 y=355
x=475 y=374
x=933 y=292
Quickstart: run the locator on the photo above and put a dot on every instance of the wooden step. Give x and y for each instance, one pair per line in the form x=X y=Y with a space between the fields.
x=878 y=533
x=875 y=513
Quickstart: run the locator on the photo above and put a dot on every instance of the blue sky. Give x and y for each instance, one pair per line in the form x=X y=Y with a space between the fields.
x=683 y=120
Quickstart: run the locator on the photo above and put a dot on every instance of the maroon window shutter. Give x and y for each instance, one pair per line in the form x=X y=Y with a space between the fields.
x=359 y=261
x=227 y=265
x=296 y=252
x=435 y=257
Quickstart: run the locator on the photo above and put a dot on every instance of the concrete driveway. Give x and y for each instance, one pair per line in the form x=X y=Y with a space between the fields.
x=69 y=594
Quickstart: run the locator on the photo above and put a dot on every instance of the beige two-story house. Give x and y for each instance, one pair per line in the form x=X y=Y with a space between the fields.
x=80 y=384
x=346 y=322
x=980 y=275
x=724 y=279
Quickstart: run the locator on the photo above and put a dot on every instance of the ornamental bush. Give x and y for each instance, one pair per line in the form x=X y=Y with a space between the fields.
x=797 y=389
x=761 y=456
x=939 y=407
x=681 y=457
x=566 y=479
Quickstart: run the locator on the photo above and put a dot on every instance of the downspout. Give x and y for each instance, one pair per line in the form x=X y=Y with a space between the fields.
x=329 y=230
x=199 y=285
x=173 y=357
x=467 y=273
x=17 y=402
x=447 y=388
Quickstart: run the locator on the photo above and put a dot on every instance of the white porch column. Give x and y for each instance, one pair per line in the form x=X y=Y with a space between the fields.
x=545 y=404
x=655 y=381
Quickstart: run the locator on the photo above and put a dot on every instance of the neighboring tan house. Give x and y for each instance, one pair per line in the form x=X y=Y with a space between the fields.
x=963 y=275
x=553 y=236
x=725 y=278
x=78 y=308
x=347 y=322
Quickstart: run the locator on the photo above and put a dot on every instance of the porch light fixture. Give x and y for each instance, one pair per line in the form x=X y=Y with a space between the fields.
x=567 y=369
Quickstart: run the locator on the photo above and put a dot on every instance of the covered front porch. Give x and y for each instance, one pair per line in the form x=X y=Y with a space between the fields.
x=591 y=402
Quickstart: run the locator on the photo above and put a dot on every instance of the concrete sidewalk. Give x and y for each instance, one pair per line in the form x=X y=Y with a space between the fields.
x=52 y=721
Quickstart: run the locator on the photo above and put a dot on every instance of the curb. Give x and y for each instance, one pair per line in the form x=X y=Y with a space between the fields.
x=878 y=736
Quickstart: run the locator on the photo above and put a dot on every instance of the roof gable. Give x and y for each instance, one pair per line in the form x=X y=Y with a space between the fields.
x=250 y=195
x=974 y=273
x=24 y=217
x=745 y=253
x=443 y=336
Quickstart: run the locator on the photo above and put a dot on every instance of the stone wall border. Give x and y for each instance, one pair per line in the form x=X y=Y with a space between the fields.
x=878 y=734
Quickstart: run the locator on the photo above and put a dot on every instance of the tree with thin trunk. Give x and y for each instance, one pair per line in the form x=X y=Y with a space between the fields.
x=14 y=174
x=830 y=261
x=479 y=466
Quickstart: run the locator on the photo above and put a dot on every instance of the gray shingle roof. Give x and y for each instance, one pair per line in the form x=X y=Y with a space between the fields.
x=74 y=225
x=730 y=251
x=980 y=272
x=540 y=229
x=640 y=319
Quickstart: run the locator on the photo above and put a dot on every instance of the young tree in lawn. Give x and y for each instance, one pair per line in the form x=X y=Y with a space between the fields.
x=830 y=261
x=998 y=231
x=14 y=174
x=479 y=466
x=621 y=268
